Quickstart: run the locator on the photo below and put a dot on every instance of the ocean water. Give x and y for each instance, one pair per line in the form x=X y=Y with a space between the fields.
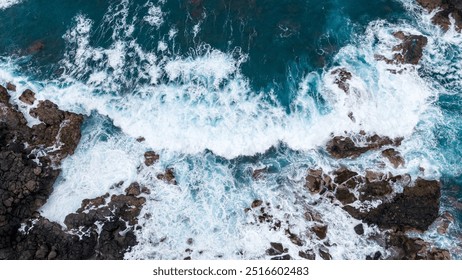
x=221 y=88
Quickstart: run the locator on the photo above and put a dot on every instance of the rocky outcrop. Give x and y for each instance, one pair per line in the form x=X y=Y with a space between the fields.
x=28 y=157
x=415 y=208
x=447 y=9
x=409 y=51
x=345 y=147
x=150 y=157
x=406 y=248
x=342 y=76
x=103 y=228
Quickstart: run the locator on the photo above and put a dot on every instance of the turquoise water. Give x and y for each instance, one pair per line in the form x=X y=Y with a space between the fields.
x=220 y=88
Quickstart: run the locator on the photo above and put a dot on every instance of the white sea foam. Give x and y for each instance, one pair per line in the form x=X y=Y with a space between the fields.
x=155 y=16
x=5 y=4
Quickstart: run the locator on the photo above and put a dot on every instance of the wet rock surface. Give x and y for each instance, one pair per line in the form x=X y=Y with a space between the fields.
x=344 y=146
x=27 y=159
x=447 y=9
x=103 y=228
x=342 y=76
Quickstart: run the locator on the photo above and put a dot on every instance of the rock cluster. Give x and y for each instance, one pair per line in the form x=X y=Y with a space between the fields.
x=447 y=9
x=27 y=157
x=103 y=228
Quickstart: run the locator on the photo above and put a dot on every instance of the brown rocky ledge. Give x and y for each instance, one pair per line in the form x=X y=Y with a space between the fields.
x=447 y=9
x=344 y=146
x=409 y=51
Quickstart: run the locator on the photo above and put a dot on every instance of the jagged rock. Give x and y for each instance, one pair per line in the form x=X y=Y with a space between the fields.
x=342 y=76
x=344 y=147
x=59 y=130
x=316 y=180
x=168 y=176
x=344 y=195
x=394 y=157
x=150 y=158
x=294 y=238
x=443 y=222
x=10 y=87
x=417 y=207
x=28 y=97
x=320 y=231
x=374 y=190
x=407 y=248
x=324 y=253
x=448 y=8
x=133 y=190
x=342 y=175
x=308 y=254
x=410 y=51
x=276 y=249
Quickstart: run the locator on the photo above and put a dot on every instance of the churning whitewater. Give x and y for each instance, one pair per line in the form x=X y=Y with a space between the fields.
x=234 y=132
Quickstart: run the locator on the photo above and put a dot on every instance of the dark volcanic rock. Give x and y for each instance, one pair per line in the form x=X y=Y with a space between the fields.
x=324 y=253
x=26 y=181
x=344 y=195
x=417 y=207
x=276 y=249
x=359 y=229
x=100 y=229
x=374 y=190
x=308 y=254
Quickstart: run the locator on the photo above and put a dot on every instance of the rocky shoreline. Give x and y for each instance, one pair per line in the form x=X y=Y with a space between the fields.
x=30 y=156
